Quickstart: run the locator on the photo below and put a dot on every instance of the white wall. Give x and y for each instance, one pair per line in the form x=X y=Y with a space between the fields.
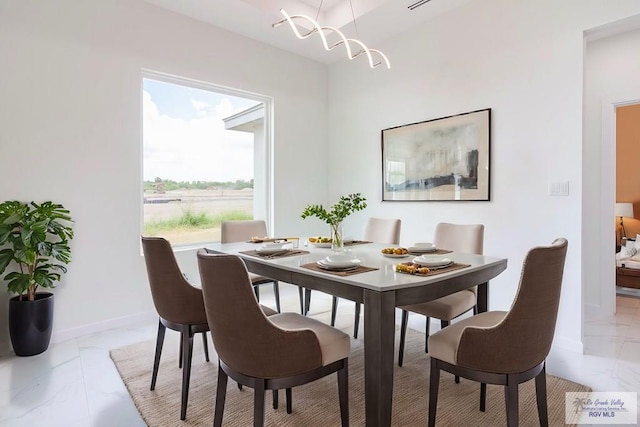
x=70 y=101
x=612 y=67
x=525 y=61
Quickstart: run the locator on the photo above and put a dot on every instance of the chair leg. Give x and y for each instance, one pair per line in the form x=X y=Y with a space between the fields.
x=187 y=347
x=301 y=295
x=426 y=332
x=156 y=359
x=356 y=322
x=205 y=345
x=258 y=405
x=334 y=310
x=307 y=301
x=287 y=392
x=221 y=393
x=511 y=401
x=180 y=352
x=483 y=396
x=434 y=384
x=276 y=293
x=403 y=335
x=541 y=397
x=275 y=399
x=343 y=393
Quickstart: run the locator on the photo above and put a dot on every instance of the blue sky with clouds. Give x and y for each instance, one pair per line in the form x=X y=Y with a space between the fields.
x=184 y=137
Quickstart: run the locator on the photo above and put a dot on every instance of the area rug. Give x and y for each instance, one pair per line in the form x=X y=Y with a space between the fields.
x=316 y=404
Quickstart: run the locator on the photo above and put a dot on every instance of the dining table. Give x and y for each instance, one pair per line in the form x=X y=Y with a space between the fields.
x=381 y=289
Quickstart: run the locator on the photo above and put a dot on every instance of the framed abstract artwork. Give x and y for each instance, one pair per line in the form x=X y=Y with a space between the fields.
x=437 y=160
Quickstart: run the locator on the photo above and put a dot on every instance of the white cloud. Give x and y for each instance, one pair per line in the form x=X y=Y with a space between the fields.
x=197 y=149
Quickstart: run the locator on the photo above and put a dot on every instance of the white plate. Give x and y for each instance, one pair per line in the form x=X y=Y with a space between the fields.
x=324 y=267
x=272 y=248
x=396 y=255
x=321 y=245
x=432 y=261
x=339 y=261
x=422 y=247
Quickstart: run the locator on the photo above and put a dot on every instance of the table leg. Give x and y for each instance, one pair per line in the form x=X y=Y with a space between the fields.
x=483 y=297
x=379 y=331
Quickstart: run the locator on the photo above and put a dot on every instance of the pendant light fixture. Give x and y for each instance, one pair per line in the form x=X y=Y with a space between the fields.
x=353 y=47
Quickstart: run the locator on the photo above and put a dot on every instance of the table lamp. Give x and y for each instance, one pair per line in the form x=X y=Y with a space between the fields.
x=623 y=210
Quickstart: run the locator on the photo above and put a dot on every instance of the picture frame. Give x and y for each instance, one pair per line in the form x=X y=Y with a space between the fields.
x=443 y=159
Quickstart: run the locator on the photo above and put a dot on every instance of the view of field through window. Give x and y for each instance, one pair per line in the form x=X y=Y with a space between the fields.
x=196 y=174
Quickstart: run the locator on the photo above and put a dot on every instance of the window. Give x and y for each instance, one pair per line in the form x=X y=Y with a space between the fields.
x=204 y=156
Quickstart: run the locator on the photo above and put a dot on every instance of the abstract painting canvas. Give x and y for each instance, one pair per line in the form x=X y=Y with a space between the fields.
x=440 y=159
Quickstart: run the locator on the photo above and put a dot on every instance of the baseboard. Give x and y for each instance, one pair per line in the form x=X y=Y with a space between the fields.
x=568 y=344
x=92 y=328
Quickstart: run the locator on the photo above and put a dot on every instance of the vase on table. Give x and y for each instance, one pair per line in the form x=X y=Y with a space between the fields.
x=337 y=243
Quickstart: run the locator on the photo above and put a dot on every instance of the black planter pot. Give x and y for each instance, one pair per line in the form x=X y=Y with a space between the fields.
x=30 y=324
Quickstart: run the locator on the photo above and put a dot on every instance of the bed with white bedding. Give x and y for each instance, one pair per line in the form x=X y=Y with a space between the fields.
x=628 y=267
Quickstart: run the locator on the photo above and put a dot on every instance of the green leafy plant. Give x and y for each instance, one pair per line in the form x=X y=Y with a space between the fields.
x=34 y=237
x=336 y=213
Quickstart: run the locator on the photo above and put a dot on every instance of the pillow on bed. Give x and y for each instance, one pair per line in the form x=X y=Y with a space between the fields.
x=628 y=251
x=636 y=244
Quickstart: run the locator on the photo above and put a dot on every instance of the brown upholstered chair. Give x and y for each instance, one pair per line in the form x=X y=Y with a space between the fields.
x=506 y=348
x=377 y=230
x=180 y=307
x=265 y=353
x=239 y=231
x=465 y=238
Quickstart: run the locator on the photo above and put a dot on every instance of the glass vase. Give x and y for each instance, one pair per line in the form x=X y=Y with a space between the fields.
x=337 y=243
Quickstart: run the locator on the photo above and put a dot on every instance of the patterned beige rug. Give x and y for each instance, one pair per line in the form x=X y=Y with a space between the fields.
x=316 y=404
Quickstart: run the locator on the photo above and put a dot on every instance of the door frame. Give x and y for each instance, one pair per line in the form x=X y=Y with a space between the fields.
x=608 y=196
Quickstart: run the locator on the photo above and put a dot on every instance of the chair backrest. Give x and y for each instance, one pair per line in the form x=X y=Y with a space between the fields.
x=383 y=230
x=238 y=231
x=522 y=340
x=244 y=338
x=175 y=299
x=465 y=238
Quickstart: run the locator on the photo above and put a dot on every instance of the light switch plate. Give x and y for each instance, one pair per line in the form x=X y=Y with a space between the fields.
x=559 y=188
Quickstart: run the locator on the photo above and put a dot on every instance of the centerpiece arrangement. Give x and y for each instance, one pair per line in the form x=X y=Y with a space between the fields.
x=336 y=214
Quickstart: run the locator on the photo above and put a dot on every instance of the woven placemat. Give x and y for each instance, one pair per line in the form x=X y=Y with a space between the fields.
x=452 y=267
x=275 y=255
x=356 y=242
x=436 y=252
x=361 y=269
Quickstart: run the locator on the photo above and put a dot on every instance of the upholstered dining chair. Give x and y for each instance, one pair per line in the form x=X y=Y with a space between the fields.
x=465 y=238
x=180 y=307
x=277 y=352
x=243 y=230
x=506 y=348
x=377 y=230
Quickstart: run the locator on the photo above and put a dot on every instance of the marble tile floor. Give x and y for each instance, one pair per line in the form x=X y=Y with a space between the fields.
x=75 y=384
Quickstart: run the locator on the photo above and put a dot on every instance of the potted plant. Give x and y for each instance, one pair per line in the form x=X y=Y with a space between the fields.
x=34 y=247
x=336 y=214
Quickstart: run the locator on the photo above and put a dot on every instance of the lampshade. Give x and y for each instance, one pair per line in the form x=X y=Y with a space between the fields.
x=624 y=209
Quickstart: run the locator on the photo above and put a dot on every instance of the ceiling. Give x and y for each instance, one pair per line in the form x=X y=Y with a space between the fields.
x=376 y=20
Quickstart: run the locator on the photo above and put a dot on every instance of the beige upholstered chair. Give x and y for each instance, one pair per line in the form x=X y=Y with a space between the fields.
x=279 y=352
x=238 y=231
x=378 y=230
x=465 y=238
x=506 y=348
x=180 y=307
